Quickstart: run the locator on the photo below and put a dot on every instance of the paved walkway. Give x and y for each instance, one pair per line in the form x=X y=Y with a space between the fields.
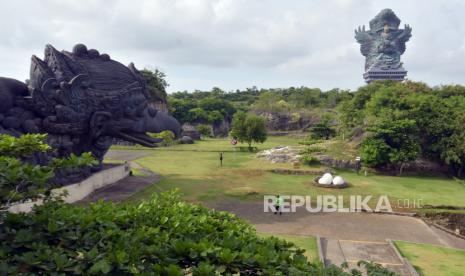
x=128 y=155
x=123 y=188
x=347 y=237
x=339 y=251
x=342 y=226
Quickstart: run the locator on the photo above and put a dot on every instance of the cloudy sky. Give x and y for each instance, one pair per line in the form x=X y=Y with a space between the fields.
x=234 y=44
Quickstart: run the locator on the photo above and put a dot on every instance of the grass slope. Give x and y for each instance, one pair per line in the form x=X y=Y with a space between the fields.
x=433 y=260
x=196 y=171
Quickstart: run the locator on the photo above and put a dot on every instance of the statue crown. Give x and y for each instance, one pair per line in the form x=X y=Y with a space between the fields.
x=385 y=17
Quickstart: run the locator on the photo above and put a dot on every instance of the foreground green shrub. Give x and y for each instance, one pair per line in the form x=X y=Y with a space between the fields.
x=21 y=179
x=73 y=161
x=160 y=236
x=23 y=146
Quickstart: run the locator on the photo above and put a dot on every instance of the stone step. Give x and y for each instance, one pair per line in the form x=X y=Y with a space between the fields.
x=332 y=252
x=350 y=251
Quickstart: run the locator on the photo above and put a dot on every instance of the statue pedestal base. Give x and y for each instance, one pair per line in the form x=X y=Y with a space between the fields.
x=378 y=74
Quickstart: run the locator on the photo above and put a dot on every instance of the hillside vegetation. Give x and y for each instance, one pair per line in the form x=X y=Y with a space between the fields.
x=392 y=123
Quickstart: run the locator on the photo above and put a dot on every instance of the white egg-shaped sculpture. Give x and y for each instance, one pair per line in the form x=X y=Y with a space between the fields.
x=326 y=179
x=338 y=180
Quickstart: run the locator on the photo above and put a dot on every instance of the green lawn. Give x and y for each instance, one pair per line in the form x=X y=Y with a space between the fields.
x=305 y=242
x=219 y=144
x=196 y=171
x=433 y=260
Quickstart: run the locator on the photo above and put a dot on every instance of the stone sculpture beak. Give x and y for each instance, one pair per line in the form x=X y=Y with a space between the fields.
x=152 y=122
x=161 y=122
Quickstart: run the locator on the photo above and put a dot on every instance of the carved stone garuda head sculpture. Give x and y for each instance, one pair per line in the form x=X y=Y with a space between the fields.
x=83 y=100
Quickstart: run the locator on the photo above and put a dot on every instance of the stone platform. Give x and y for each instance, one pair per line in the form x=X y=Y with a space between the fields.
x=374 y=75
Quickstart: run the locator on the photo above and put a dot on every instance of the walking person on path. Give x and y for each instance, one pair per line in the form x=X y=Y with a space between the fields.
x=279 y=204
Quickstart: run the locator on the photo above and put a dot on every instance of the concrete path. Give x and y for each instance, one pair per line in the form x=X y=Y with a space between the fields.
x=341 y=226
x=347 y=237
x=128 y=155
x=339 y=251
x=123 y=188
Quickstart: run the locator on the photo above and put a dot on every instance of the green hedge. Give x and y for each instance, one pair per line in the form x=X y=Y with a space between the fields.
x=160 y=236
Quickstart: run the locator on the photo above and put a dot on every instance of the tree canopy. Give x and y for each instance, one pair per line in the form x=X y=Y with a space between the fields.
x=249 y=128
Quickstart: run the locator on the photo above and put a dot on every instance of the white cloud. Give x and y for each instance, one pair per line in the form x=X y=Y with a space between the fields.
x=236 y=43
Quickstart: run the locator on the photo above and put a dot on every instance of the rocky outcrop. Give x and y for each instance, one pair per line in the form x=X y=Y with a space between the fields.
x=191 y=131
x=282 y=154
x=288 y=121
x=335 y=163
x=221 y=129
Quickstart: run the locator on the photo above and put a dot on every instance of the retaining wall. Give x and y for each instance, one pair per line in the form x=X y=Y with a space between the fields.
x=80 y=190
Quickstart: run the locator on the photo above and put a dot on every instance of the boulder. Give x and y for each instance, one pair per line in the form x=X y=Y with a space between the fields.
x=191 y=131
x=186 y=140
x=326 y=179
x=338 y=180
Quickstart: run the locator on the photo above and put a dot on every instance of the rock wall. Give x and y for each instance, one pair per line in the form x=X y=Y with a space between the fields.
x=335 y=163
x=190 y=130
x=289 y=121
x=221 y=129
x=161 y=106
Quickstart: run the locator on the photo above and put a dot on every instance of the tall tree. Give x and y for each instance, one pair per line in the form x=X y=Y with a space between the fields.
x=249 y=128
x=156 y=82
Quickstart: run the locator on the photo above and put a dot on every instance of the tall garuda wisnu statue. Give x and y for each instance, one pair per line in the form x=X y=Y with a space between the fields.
x=382 y=46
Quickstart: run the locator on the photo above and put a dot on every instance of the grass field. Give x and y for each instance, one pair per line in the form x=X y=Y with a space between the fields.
x=196 y=171
x=433 y=260
x=305 y=242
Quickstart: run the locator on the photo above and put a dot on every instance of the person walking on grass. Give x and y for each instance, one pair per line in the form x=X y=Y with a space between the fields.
x=221 y=159
x=279 y=204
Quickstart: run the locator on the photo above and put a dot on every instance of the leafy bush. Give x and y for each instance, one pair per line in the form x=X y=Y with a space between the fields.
x=204 y=130
x=309 y=142
x=73 y=161
x=156 y=83
x=20 y=179
x=160 y=236
x=322 y=130
x=166 y=136
x=22 y=146
x=310 y=150
x=309 y=160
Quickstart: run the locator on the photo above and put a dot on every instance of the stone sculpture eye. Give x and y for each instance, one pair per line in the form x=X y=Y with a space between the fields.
x=152 y=111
